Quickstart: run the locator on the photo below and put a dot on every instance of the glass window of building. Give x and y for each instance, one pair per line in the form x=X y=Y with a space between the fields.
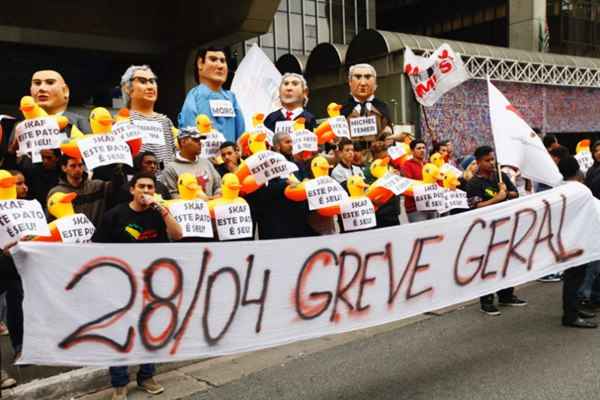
x=281 y=31
x=295 y=6
x=296 y=32
x=309 y=7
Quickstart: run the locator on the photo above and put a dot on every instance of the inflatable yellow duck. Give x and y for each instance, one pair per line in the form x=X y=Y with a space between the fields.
x=358 y=190
x=324 y=131
x=60 y=205
x=437 y=159
x=31 y=110
x=450 y=180
x=319 y=167
x=8 y=185
x=230 y=189
x=188 y=187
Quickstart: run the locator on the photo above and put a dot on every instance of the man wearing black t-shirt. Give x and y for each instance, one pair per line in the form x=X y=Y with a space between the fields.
x=142 y=220
x=484 y=190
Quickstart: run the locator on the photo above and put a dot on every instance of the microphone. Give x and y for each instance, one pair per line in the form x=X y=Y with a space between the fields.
x=154 y=206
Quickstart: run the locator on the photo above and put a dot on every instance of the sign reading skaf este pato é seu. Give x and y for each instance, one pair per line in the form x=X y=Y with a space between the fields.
x=267 y=165
x=38 y=134
x=75 y=228
x=20 y=218
x=357 y=214
x=117 y=304
x=211 y=144
x=233 y=221
x=339 y=126
x=585 y=160
x=304 y=140
x=127 y=130
x=324 y=191
x=394 y=183
x=429 y=197
x=193 y=217
x=152 y=132
x=100 y=149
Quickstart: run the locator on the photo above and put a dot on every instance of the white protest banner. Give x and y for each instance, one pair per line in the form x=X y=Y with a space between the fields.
x=211 y=144
x=395 y=152
x=193 y=217
x=227 y=298
x=233 y=221
x=324 y=191
x=20 y=218
x=284 y=127
x=256 y=84
x=38 y=134
x=304 y=140
x=75 y=228
x=455 y=199
x=127 y=131
x=268 y=165
x=435 y=75
x=429 y=197
x=104 y=149
x=357 y=214
x=516 y=144
x=363 y=126
x=585 y=160
x=339 y=126
x=152 y=132
x=395 y=183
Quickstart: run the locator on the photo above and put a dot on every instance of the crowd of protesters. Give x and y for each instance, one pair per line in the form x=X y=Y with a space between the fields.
x=116 y=197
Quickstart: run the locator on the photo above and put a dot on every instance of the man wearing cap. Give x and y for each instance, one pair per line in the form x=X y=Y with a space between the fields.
x=362 y=103
x=188 y=160
x=210 y=98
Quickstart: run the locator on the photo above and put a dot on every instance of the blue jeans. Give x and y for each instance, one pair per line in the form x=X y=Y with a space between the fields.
x=119 y=376
x=590 y=289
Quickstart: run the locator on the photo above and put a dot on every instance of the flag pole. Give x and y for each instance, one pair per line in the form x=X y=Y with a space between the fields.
x=430 y=131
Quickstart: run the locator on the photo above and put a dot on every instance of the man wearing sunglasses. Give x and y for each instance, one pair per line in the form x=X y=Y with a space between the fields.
x=139 y=86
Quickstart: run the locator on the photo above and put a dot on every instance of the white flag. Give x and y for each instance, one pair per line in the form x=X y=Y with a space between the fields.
x=256 y=84
x=433 y=76
x=517 y=144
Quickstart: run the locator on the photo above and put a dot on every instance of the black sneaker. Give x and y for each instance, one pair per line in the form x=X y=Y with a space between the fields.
x=550 y=278
x=490 y=309
x=512 y=302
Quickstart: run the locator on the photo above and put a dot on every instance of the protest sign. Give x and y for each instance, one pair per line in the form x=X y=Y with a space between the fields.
x=304 y=140
x=396 y=152
x=395 y=183
x=267 y=165
x=455 y=199
x=152 y=132
x=221 y=108
x=585 y=160
x=211 y=144
x=117 y=304
x=363 y=126
x=284 y=127
x=127 y=131
x=339 y=126
x=20 y=218
x=435 y=75
x=233 y=221
x=75 y=228
x=193 y=217
x=324 y=191
x=357 y=214
x=104 y=149
x=429 y=197
x=38 y=134
x=260 y=128
x=452 y=169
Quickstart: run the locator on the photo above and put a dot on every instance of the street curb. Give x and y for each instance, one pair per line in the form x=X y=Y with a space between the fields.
x=75 y=383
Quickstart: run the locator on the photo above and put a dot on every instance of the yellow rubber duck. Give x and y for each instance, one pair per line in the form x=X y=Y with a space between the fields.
x=437 y=159
x=8 y=185
x=31 y=110
x=244 y=140
x=319 y=167
x=100 y=120
x=203 y=124
x=450 y=180
x=188 y=187
x=431 y=174
x=257 y=142
x=230 y=193
x=60 y=205
x=376 y=192
x=324 y=131
x=358 y=190
x=583 y=145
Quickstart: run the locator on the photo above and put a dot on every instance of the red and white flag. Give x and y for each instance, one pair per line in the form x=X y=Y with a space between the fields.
x=433 y=76
x=517 y=144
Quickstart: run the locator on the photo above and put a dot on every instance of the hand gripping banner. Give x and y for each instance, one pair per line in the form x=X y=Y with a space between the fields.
x=88 y=304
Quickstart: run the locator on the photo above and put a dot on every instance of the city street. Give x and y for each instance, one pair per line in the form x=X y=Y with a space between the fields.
x=461 y=354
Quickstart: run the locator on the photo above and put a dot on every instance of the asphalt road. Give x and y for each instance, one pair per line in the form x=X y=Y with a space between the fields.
x=523 y=354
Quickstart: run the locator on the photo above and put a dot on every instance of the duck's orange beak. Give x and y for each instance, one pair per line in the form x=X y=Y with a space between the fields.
x=7 y=182
x=69 y=197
